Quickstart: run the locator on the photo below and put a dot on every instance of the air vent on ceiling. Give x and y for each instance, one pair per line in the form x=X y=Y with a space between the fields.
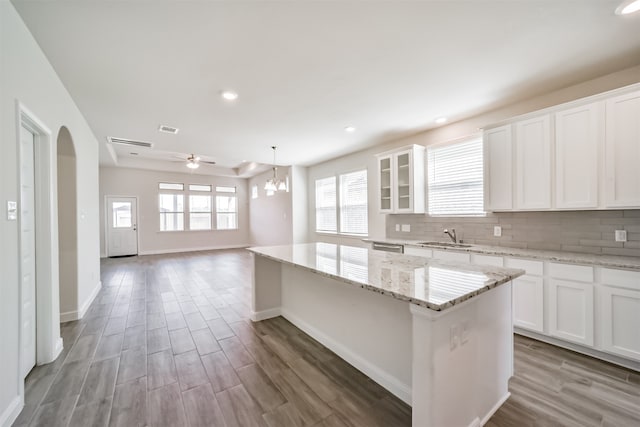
x=130 y=142
x=168 y=129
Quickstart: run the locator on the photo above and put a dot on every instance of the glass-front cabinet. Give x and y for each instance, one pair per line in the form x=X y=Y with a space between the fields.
x=402 y=180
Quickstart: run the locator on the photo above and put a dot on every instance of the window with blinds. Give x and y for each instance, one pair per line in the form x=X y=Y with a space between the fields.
x=455 y=179
x=353 y=203
x=326 y=218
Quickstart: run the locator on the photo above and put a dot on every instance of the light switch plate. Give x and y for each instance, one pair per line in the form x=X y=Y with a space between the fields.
x=397 y=227
x=12 y=211
x=621 y=235
x=406 y=228
x=497 y=231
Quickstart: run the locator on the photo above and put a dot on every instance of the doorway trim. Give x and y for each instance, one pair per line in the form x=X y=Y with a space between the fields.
x=48 y=340
x=106 y=222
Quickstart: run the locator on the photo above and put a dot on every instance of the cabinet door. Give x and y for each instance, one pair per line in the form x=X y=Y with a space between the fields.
x=577 y=137
x=423 y=252
x=497 y=169
x=403 y=163
x=622 y=151
x=385 y=189
x=620 y=321
x=533 y=164
x=528 y=303
x=571 y=311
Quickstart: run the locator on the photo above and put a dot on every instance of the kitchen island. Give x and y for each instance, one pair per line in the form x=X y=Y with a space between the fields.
x=436 y=334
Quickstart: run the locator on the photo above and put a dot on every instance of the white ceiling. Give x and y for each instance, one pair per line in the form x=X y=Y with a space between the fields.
x=306 y=69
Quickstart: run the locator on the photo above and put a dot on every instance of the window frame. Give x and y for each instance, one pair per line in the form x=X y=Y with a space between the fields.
x=338 y=206
x=228 y=194
x=468 y=139
x=160 y=213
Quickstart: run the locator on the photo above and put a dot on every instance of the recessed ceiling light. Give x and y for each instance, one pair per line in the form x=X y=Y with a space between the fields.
x=350 y=129
x=168 y=129
x=627 y=7
x=440 y=120
x=229 y=95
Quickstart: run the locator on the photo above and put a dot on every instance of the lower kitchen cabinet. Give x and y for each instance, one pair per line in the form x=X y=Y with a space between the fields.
x=528 y=303
x=620 y=311
x=571 y=311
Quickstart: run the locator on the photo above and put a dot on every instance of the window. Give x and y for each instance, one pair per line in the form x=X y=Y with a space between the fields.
x=254 y=192
x=353 y=203
x=455 y=179
x=199 y=212
x=121 y=215
x=170 y=186
x=171 y=212
x=226 y=209
x=199 y=187
x=349 y=215
x=326 y=219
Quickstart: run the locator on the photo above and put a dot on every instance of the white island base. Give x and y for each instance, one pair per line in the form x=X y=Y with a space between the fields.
x=451 y=366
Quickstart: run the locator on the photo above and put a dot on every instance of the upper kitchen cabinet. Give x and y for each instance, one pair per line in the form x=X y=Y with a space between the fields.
x=498 y=159
x=402 y=180
x=577 y=136
x=533 y=164
x=622 y=151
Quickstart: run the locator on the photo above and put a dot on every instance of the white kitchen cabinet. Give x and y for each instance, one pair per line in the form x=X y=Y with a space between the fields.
x=571 y=311
x=401 y=185
x=620 y=321
x=528 y=303
x=423 y=252
x=451 y=256
x=577 y=137
x=622 y=151
x=498 y=172
x=533 y=163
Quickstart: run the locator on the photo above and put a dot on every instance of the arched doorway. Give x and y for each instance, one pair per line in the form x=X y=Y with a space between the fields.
x=67 y=226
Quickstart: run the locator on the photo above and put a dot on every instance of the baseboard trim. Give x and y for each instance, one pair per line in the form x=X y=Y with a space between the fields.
x=70 y=316
x=11 y=412
x=59 y=347
x=257 y=316
x=399 y=389
x=206 y=248
x=616 y=360
x=493 y=410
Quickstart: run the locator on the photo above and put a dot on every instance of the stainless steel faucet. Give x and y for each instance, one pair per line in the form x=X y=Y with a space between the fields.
x=451 y=234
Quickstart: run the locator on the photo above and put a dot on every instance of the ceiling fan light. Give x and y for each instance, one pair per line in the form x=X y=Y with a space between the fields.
x=193 y=165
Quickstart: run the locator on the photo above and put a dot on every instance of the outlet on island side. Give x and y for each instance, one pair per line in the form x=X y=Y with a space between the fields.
x=497 y=231
x=397 y=227
x=621 y=235
x=453 y=337
x=406 y=228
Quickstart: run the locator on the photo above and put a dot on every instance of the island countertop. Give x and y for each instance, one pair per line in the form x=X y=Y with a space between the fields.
x=426 y=282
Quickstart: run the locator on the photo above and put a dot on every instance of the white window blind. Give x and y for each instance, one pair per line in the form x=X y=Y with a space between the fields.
x=353 y=203
x=455 y=179
x=326 y=218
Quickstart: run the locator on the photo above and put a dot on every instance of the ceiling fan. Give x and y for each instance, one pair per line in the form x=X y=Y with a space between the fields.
x=193 y=161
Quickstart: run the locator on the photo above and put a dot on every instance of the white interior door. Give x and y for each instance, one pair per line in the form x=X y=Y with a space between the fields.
x=27 y=251
x=122 y=234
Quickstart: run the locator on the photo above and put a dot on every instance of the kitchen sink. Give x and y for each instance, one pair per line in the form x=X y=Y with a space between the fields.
x=446 y=244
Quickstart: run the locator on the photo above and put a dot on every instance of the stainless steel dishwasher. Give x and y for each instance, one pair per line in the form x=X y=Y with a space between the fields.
x=388 y=247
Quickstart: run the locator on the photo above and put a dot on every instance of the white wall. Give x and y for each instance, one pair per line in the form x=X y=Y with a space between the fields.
x=270 y=216
x=143 y=184
x=67 y=235
x=26 y=76
x=366 y=158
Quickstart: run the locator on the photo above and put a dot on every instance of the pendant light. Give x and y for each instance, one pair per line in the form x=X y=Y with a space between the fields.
x=274 y=184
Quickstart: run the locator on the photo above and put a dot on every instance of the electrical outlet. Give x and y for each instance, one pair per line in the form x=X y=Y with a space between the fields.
x=406 y=228
x=621 y=235
x=497 y=231
x=464 y=332
x=397 y=227
x=453 y=337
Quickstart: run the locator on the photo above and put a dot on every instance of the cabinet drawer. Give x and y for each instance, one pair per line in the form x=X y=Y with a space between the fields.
x=581 y=273
x=451 y=256
x=531 y=267
x=409 y=250
x=495 y=261
x=621 y=278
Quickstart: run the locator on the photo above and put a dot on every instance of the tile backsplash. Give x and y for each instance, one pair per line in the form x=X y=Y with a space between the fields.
x=574 y=231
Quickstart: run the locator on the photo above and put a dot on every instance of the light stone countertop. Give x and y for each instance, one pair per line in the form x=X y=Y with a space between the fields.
x=430 y=283
x=611 y=261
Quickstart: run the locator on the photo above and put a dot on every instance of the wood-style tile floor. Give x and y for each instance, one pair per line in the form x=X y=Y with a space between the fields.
x=168 y=342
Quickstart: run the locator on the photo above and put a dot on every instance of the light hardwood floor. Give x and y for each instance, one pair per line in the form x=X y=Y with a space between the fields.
x=168 y=342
